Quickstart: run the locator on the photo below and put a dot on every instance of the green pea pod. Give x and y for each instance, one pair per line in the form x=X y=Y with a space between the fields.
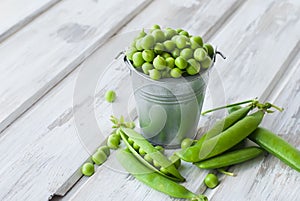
x=153 y=179
x=150 y=150
x=190 y=154
x=230 y=158
x=277 y=147
x=225 y=140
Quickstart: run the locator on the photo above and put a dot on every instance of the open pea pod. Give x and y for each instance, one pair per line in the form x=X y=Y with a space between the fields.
x=161 y=162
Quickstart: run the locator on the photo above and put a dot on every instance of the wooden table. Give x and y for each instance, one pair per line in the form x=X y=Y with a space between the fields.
x=57 y=61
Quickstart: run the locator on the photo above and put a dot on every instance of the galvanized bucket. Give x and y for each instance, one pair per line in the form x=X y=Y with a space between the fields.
x=168 y=109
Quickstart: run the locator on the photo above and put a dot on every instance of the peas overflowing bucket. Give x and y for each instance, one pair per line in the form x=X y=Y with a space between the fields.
x=169 y=71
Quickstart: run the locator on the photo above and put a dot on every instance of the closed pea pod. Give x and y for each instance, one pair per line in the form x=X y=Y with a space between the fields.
x=153 y=179
x=230 y=158
x=277 y=147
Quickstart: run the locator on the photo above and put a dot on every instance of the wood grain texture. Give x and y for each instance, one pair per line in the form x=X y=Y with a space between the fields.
x=52 y=46
x=15 y=14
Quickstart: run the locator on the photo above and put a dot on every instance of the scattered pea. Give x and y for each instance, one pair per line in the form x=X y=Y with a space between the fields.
x=197 y=39
x=99 y=157
x=165 y=55
x=138 y=44
x=169 y=45
x=181 y=42
x=159 y=48
x=105 y=149
x=210 y=49
x=206 y=62
x=113 y=142
x=137 y=59
x=148 y=42
x=155 y=26
x=87 y=169
x=176 y=72
x=170 y=62
x=159 y=63
x=154 y=74
x=148 y=55
x=200 y=54
x=146 y=67
x=211 y=180
x=194 y=67
x=186 y=53
x=130 y=52
x=169 y=33
x=185 y=33
x=180 y=62
x=176 y=53
x=159 y=35
x=110 y=96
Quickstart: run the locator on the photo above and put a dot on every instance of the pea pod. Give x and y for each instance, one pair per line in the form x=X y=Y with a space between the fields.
x=155 y=159
x=224 y=141
x=153 y=179
x=277 y=147
x=230 y=158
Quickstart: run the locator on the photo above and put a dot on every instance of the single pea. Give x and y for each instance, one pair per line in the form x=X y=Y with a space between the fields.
x=130 y=141
x=159 y=48
x=193 y=67
x=146 y=67
x=160 y=148
x=156 y=164
x=210 y=50
x=197 y=39
x=110 y=96
x=88 y=169
x=142 y=34
x=176 y=72
x=148 y=55
x=187 y=142
x=105 y=149
x=179 y=30
x=186 y=53
x=185 y=33
x=113 y=142
x=165 y=55
x=176 y=53
x=99 y=157
x=169 y=33
x=194 y=45
x=163 y=170
x=138 y=44
x=135 y=146
x=116 y=135
x=159 y=63
x=159 y=35
x=181 y=63
x=170 y=62
x=181 y=42
x=148 y=42
x=137 y=59
x=142 y=152
x=155 y=26
x=200 y=54
x=148 y=158
x=206 y=63
x=211 y=180
x=169 y=45
x=154 y=74
x=130 y=52
x=174 y=38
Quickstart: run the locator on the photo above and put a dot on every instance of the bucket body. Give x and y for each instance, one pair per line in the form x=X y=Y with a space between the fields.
x=168 y=109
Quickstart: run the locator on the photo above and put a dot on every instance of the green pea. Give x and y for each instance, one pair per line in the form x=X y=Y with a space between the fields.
x=148 y=42
x=87 y=169
x=159 y=63
x=148 y=158
x=165 y=73
x=99 y=157
x=197 y=40
x=113 y=142
x=154 y=74
x=142 y=152
x=137 y=59
x=176 y=53
x=130 y=52
x=138 y=44
x=164 y=170
x=110 y=96
x=186 y=53
x=174 y=38
x=135 y=146
x=181 y=42
x=159 y=48
x=194 y=67
x=210 y=49
x=181 y=63
x=159 y=35
x=170 y=62
x=169 y=45
x=179 y=30
x=206 y=63
x=130 y=141
x=142 y=34
x=211 y=180
x=115 y=135
x=200 y=54
x=155 y=26
x=165 y=55
x=146 y=67
x=169 y=33
x=156 y=164
x=148 y=55
x=159 y=148
x=185 y=33
x=187 y=142
x=176 y=72
x=105 y=149
x=194 y=45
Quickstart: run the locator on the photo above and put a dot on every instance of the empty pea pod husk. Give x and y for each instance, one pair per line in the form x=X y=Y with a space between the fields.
x=153 y=179
x=277 y=146
x=156 y=155
x=230 y=158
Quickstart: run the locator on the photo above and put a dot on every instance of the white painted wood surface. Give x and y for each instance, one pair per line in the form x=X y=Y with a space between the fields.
x=15 y=14
x=52 y=46
x=45 y=145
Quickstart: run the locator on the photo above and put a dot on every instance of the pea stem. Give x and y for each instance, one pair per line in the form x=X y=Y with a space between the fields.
x=226 y=172
x=227 y=106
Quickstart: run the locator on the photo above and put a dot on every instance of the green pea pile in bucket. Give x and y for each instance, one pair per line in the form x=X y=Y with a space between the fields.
x=169 y=53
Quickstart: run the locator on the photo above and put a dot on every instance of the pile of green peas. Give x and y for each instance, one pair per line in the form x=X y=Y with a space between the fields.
x=169 y=53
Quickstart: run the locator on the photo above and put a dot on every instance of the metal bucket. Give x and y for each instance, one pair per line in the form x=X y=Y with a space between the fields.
x=168 y=109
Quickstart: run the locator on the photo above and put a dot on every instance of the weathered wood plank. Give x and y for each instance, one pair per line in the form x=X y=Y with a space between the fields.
x=267 y=178
x=52 y=46
x=15 y=14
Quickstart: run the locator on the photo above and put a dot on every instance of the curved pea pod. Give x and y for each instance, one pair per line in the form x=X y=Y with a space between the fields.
x=277 y=146
x=190 y=154
x=160 y=160
x=225 y=140
x=153 y=179
x=230 y=158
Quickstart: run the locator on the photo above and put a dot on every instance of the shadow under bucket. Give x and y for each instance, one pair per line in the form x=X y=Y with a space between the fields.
x=168 y=109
